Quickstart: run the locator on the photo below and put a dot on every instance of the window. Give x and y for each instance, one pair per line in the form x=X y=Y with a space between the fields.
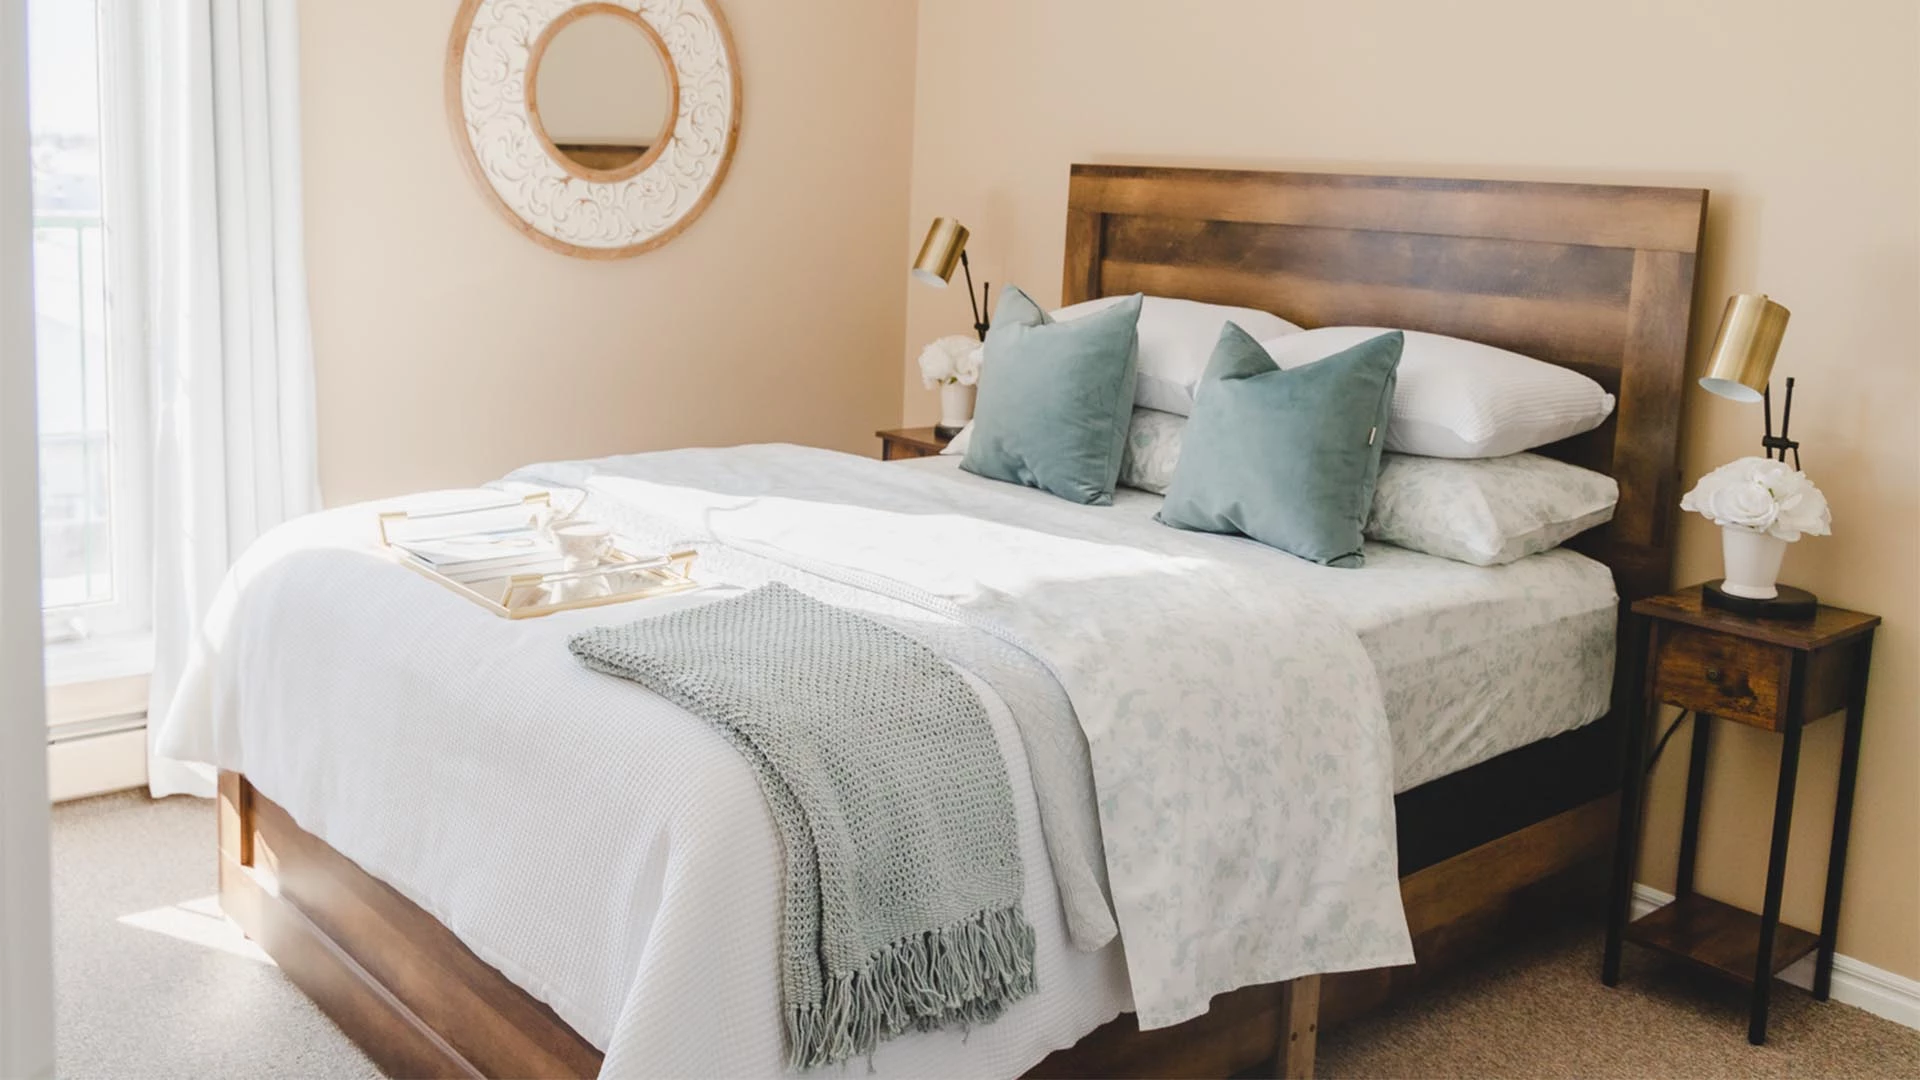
x=94 y=542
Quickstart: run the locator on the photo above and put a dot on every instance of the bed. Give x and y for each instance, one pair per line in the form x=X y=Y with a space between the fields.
x=1496 y=802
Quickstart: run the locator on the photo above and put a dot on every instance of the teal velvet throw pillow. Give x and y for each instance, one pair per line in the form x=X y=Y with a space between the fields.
x=1288 y=458
x=1055 y=398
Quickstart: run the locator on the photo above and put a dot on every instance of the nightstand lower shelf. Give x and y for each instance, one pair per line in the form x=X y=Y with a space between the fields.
x=1717 y=937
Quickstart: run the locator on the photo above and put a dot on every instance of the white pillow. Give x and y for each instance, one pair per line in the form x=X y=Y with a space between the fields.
x=958 y=444
x=1462 y=399
x=1486 y=512
x=1176 y=341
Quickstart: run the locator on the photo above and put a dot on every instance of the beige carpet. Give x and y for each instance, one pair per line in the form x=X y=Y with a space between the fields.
x=153 y=984
x=1540 y=1010
x=150 y=981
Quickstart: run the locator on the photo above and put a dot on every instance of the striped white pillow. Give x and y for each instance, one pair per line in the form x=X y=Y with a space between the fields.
x=1462 y=399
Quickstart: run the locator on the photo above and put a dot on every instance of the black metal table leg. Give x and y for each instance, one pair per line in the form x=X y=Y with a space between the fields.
x=1696 y=788
x=1777 y=855
x=1842 y=819
x=1626 y=845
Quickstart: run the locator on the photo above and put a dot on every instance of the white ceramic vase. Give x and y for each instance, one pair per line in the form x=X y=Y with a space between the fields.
x=1753 y=562
x=956 y=405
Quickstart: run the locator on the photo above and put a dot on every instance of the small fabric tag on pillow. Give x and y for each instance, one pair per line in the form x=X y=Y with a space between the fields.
x=1055 y=399
x=1287 y=457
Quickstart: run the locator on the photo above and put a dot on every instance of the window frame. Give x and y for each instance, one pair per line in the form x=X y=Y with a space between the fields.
x=98 y=638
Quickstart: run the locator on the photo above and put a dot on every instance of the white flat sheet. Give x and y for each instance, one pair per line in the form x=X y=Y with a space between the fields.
x=1473 y=661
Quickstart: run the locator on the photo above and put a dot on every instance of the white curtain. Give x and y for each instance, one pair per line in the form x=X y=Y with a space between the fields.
x=232 y=364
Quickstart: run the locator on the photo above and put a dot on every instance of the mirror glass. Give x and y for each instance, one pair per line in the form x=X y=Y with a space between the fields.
x=602 y=92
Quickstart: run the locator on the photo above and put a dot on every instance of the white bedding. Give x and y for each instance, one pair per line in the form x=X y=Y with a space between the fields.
x=1473 y=661
x=461 y=758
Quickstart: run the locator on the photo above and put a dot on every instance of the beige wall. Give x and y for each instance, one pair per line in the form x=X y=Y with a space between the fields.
x=1803 y=119
x=449 y=348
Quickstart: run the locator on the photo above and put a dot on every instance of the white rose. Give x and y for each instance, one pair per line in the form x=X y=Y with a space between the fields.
x=966 y=370
x=1803 y=512
x=1746 y=505
x=936 y=366
x=941 y=360
x=1773 y=475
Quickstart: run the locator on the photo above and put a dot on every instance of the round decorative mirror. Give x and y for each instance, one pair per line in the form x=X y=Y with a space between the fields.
x=601 y=128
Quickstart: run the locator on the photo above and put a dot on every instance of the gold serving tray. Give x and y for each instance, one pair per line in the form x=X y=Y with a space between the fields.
x=621 y=576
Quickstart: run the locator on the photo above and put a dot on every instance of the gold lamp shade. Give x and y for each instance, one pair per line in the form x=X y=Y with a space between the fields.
x=1743 y=352
x=941 y=252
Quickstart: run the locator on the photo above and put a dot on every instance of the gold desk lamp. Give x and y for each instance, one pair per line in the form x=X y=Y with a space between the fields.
x=946 y=245
x=1742 y=364
x=1740 y=370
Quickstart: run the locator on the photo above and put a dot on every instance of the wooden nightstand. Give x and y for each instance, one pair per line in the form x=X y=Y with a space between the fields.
x=897 y=444
x=1770 y=674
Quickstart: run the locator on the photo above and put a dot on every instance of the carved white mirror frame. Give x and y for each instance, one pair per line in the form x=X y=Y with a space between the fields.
x=492 y=59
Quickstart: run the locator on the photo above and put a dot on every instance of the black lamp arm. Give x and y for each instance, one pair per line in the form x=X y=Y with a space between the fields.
x=980 y=326
x=1777 y=446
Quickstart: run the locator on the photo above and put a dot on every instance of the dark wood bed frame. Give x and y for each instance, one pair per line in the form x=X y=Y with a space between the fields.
x=1596 y=278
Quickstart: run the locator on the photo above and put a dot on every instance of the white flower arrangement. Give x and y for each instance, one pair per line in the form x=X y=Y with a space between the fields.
x=951 y=359
x=1762 y=496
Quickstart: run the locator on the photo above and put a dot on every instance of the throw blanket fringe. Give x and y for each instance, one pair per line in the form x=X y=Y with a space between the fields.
x=966 y=973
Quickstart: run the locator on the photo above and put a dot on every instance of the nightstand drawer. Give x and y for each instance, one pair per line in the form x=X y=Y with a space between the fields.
x=1722 y=675
x=904 y=444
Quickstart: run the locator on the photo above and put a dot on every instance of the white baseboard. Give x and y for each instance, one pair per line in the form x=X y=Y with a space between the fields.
x=1878 y=991
x=97 y=764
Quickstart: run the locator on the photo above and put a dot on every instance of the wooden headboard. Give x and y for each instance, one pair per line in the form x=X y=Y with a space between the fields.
x=1592 y=277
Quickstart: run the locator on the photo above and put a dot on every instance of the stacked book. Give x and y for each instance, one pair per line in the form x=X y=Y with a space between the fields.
x=478 y=537
x=468 y=559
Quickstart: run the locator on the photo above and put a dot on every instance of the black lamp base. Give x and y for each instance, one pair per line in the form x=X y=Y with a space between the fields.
x=1791 y=604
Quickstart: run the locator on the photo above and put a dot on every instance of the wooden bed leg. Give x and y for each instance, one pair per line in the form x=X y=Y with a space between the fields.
x=239 y=895
x=1299 y=1028
x=236 y=824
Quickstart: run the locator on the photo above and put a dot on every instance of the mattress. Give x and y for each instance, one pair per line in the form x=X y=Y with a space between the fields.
x=1473 y=661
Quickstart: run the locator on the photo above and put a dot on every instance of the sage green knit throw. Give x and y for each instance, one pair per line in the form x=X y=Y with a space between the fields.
x=902 y=905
